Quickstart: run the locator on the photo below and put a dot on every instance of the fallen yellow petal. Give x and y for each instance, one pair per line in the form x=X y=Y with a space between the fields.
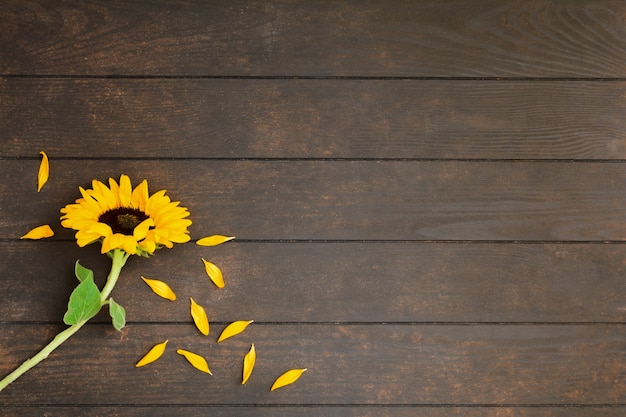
x=214 y=273
x=195 y=360
x=287 y=378
x=44 y=171
x=214 y=240
x=199 y=317
x=39 y=232
x=160 y=288
x=154 y=354
x=248 y=364
x=233 y=329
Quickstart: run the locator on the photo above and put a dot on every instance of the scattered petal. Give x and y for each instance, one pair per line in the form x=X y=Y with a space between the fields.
x=214 y=273
x=287 y=378
x=233 y=329
x=199 y=317
x=154 y=354
x=248 y=364
x=39 y=233
x=44 y=171
x=160 y=288
x=214 y=240
x=195 y=360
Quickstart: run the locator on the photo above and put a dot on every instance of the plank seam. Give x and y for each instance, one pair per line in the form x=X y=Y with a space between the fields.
x=306 y=77
x=371 y=241
x=345 y=323
x=355 y=405
x=289 y=159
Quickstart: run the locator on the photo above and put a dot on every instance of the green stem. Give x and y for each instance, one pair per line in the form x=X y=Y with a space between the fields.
x=43 y=354
x=119 y=258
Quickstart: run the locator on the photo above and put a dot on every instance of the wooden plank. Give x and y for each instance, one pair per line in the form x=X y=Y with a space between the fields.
x=371 y=364
x=354 y=200
x=211 y=118
x=493 y=38
x=334 y=282
x=315 y=411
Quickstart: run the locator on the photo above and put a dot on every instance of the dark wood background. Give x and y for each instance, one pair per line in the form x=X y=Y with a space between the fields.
x=429 y=202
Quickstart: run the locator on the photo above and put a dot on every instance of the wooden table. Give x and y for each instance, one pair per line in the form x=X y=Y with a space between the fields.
x=428 y=198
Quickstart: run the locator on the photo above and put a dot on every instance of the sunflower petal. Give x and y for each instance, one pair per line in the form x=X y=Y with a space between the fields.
x=214 y=240
x=83 y=239
x=126 y=190
x=101 y=229
x=149 y=246
x=107 y=245
x=195 y=360
x=214 y=273
x=160 y=288
x=287 y=378
x=179 y=238
x=44 y=171
x=139 y=196
x=156 y=202
x=233 y=329
x=88 y=203
x=198 y=314
x=129 y=244
x=114 y=241
x=141 y=230
x=115 y=189
x=104 y=195
x=39 y=232
x=248 y=364
x=152 y=355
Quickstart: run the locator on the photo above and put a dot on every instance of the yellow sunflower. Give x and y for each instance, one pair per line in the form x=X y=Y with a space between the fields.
x=125 y=218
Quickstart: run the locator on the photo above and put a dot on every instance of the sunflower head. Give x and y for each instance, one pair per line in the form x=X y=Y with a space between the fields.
x=125 y=218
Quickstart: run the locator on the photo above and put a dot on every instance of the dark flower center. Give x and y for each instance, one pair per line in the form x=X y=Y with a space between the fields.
x=123 y=220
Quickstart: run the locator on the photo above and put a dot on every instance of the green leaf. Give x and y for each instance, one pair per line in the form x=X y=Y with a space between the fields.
x=81 y=272
x=84 y=302
x=118 y=314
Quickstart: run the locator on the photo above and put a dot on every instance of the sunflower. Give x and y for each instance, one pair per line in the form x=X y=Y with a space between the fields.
x=125 y=218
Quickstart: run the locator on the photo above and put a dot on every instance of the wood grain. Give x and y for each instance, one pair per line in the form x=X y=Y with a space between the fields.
x=353 y=200
x=493 y=38
x=371 y=364
x=216 y=118
x=312 y=411
x=428 y=199
x=334 y=282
